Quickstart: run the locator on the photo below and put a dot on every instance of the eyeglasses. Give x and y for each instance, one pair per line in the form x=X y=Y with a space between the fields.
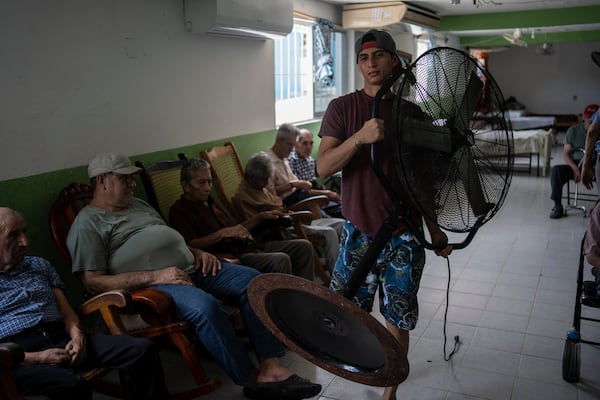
x=311 y=142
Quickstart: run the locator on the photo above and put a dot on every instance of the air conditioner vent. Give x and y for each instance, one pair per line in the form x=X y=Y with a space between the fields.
x=250 y=19
x=386 y=14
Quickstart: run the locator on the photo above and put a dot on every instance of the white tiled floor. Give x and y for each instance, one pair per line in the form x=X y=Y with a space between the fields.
x=511 y=303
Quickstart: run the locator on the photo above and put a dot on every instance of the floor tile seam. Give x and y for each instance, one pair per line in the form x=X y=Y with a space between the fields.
x=443 y=304
x=467 y=369
x=561 y=383
x=509 y=352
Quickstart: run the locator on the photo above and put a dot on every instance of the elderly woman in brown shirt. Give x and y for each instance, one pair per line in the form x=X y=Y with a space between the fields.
x=255 y=195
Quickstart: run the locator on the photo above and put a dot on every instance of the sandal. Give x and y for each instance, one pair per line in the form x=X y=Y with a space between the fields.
x=293 y=388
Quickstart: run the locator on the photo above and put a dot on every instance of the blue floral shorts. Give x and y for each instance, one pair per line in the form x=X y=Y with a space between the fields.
x=397 y=272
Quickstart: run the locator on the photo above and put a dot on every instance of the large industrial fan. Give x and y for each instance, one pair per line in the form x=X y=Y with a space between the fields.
x=456 y=164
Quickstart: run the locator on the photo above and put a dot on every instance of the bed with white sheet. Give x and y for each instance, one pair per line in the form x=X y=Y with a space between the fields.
x=529 y=145
x=534 y=142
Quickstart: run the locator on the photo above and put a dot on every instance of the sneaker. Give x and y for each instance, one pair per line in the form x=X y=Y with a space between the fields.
x=557 y=212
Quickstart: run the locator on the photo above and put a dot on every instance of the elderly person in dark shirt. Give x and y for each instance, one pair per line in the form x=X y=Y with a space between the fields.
x=35 y=313
x=204 y=225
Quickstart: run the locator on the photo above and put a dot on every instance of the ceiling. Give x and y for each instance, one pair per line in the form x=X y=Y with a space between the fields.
x=483 y=22
x=445 y=7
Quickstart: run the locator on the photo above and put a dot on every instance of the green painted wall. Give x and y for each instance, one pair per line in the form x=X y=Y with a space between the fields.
x=526 y=20
x=521 y=19
x=33 y=195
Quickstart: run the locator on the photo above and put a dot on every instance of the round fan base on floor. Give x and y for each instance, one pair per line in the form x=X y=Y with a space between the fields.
x=328 y=330
x=596 y=57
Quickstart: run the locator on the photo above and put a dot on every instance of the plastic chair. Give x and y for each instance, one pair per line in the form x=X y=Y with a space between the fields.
x=153 y=311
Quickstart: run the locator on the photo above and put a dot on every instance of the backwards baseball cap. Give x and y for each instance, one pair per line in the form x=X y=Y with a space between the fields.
x=377 y=39
x=590 y=110
x=110 y=162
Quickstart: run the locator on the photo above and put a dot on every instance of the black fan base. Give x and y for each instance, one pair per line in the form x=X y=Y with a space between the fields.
x=328 y=330
x=596 y=57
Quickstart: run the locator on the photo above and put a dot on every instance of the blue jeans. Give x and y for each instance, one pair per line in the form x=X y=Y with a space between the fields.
x=199 y=306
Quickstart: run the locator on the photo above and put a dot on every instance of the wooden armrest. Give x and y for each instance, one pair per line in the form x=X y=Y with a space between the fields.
x=113 y=298
x=320 y=200
x=301 y=217
x=159 y=302
x=311 y=203
x=158 y=307
x=109 y=304
x=11 y=354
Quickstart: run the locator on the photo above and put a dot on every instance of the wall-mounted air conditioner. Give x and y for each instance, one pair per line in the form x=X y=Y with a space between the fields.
x=254 y=19
x=385 y=15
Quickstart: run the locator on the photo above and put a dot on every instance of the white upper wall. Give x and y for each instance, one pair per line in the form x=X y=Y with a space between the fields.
x=79 y=77
x=83 y=77
x=560 y=83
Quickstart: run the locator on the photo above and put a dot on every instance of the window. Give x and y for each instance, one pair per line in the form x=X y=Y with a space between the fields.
x=306 y=79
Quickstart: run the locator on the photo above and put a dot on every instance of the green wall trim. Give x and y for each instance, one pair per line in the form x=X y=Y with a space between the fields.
x=522 y=19
x=33 y=195
x=498 y=40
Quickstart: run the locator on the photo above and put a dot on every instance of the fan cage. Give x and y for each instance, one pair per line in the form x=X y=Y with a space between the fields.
x=454 y=160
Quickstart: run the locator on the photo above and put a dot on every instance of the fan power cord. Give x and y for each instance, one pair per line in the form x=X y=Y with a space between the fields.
x=456 y=337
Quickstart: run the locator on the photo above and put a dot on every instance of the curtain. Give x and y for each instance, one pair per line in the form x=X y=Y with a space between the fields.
x=322 y=33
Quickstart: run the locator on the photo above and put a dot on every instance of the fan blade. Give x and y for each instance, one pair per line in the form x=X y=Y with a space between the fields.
x=426 y=135
x=470 y=101
x=471 y=182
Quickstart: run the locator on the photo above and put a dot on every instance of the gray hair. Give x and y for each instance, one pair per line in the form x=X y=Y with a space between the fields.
x=191 y=166
x=303 y=131
x=7 y=213
x=286 y=131
x=258 y=168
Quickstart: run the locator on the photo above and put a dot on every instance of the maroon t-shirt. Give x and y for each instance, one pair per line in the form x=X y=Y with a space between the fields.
x=365 y=202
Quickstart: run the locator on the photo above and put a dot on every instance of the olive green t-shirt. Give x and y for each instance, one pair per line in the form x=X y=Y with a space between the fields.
x=136 y=239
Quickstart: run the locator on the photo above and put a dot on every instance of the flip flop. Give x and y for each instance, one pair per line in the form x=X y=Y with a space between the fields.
x=293 y=388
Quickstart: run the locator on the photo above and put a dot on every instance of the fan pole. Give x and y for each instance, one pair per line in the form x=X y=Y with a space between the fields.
x=368 y=259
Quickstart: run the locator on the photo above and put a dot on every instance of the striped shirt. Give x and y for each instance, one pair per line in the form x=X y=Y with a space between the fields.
x=26 y=297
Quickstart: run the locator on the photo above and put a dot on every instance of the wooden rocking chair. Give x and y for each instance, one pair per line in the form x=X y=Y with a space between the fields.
x=155 y=309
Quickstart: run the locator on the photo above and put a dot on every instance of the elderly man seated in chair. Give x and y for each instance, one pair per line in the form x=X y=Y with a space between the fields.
x=304 y=166
x=35 y=313
x=119 y=241
x=573 y=155
x=204 y=225
x=286 y=184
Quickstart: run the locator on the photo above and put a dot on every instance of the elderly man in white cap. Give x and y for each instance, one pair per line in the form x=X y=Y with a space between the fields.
x=120 y=241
